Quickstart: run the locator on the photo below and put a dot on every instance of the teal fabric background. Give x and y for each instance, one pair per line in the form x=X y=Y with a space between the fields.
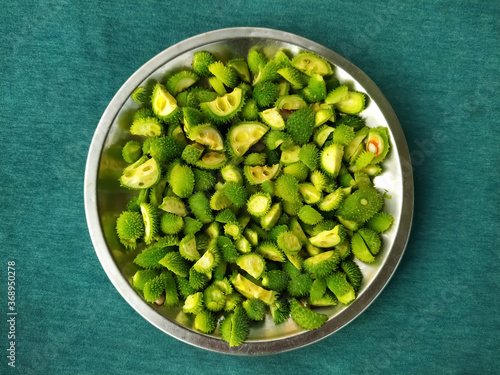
x=437 y=62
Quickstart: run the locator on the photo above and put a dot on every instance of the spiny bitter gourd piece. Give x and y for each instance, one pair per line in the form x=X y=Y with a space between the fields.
x=253 y=191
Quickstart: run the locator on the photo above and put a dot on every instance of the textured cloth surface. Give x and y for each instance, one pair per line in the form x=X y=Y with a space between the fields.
x=438 y=64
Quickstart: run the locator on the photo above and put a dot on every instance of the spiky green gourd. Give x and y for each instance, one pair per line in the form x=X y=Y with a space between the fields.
x=265 y=93
x=241 y=67
x=322 y=264
x=154 y=289
x=269 y=250
x=256 y=60
x=361 y=205
x=298 y=170
x=295 y=77
x=208 y=261
x=364 y=159
x=309 y=155
x=275 y=138
x=181 y=81
x=219 y=201
x=173 y=205
x=305 y=317
x=132 y=151
x=353 y=121
x=205 y=321
x=203 y=180
x=226 y=74
x=151 y=222
x=171 y=294
x=143 y=113
x=289 y=243
x=315 y=90
x=250 y=111
x=318 y=289
x=318 y=179
x=225 y=216
x=197 y=280
x=343 y=135
x=235 y=192
x=201 y=61
x=187 y=248
x=275 y=280
x=227 y=249
x=372 y=240
x=170 y=223
x=287 y=188
x=309 y=215
x=353 y=273
x=380 y=222
x=193 y=303
x=300 y=285
x=255 y=309
x=329 y=238
x=233 y=229
x=309 y=193
x=181 y=180
x=235 y=328
x=300 y=125
x=200 y=207
x=332 y=201
x=129 y=227
x=338 y=284
x=164 y=104
x=174 y=262
x=140 y=95
x=267 y=72
x=353 y=104
x=214 y=299
x=184 y=287
x=141 y=277
x=151 y=255
x=255 y=159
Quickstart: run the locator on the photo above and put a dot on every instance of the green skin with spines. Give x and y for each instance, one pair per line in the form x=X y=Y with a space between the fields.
x=380 y=222
x=361 y=205
x=255 y=309
x=306 y=318
x=203 y=180
x=275 y=280
x=205 y=321
x=225 y=216
x=193 y=303
x=280 y=311
x=129 y=227
x=300 y=286
x=142 y=113
x=289 y=243
x=201 y=61
x=181 y=81
x=250 y=111
x=270 y=250
x=338 y=284
x=343 y=135
x=275 y=138
x=200 y=207
x=372 y=240
x=318 y=289
x=141 y=277
x=300 y=125
x=265 y=93
x=187 y=248
x=151 y=222
x=192 y=154
x=235 y=327
x=197 y=280
x=214 y=299
x=140 y=95
x=171 y=224
x=322 y=264
x=255 y=159
x=150 y=256
x=353 y=273
x=236 y=193
x=154 y=289
x=184 y=287
x=132 y=151
x=256 y=60
x=287 y=188
x=268 y=72
x=309 y=155
x=295 y=77
x=192 y=226
x=171 y=294
x=259 y=204
x=226 y=74
x=182 y=180
x=309 y=215
x=315 y=90
x=175 y=263
x=147 y=126
x=299 y=170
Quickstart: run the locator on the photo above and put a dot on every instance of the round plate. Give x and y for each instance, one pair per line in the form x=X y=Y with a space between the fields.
x=105 y=200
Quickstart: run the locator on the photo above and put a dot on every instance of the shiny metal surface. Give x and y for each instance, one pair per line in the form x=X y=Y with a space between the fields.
x=104 y=199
